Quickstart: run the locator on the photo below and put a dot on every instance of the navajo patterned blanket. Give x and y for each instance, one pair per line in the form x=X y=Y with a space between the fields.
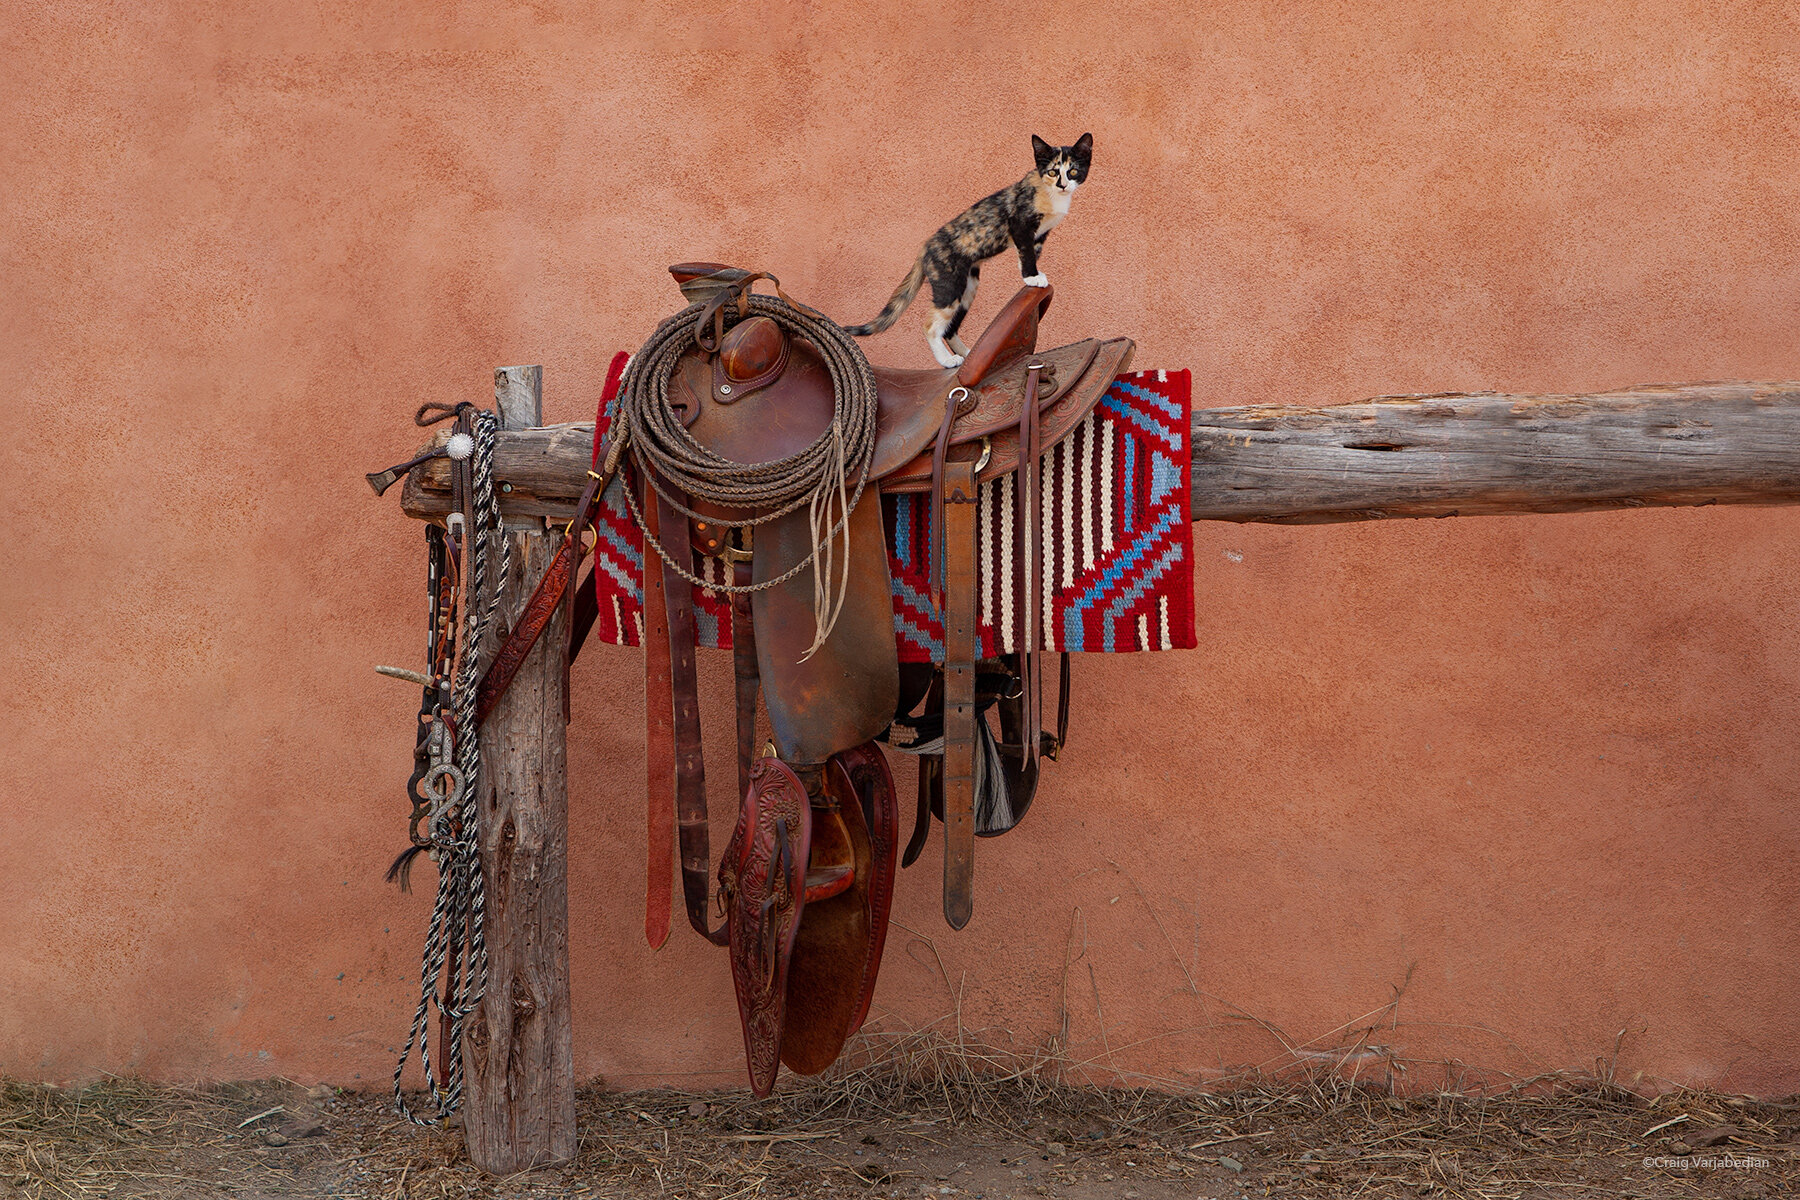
x=1118 y=546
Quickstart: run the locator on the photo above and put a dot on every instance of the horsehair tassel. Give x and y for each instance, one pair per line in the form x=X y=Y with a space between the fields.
x=400 y=870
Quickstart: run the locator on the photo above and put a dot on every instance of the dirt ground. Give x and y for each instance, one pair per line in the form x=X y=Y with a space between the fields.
x=888 y=1136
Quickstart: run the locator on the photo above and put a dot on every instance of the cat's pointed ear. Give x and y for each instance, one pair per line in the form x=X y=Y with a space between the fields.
x=1042 y=150
x=1084 y=147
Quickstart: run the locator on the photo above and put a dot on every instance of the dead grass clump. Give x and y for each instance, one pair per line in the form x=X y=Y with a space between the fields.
x=91 y=1140
x=912 y=1110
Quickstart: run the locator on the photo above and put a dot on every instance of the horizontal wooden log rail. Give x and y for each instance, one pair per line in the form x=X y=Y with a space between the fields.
x=1485 y=454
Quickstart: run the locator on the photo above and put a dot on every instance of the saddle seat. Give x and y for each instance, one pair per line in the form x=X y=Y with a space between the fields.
x=769 y=400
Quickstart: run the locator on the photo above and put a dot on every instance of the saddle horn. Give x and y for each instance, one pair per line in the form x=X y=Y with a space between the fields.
x=700 y=282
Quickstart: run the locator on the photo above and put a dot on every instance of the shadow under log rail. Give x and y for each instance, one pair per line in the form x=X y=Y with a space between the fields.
x=1483 y=454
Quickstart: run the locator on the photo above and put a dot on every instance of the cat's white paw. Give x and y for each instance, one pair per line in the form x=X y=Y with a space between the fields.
x=1038 y=280
x=940 y=350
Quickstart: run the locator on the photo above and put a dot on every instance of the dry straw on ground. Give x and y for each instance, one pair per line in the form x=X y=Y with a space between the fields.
x=918 y=1114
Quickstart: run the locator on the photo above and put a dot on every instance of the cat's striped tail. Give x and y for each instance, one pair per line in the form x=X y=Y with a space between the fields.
x=903 y=296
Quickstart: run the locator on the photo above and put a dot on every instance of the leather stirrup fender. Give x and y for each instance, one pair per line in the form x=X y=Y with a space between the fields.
x=837 y=953
x=863 y=774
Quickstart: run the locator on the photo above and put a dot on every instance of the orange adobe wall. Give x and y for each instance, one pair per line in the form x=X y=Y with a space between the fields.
x=1539 y=770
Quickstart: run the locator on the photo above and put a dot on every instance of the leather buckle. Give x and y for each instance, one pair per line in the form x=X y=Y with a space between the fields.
x=569 y=529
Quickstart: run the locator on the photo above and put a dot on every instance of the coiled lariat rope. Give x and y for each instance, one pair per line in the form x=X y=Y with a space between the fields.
x=829 y=475
x=455 y=955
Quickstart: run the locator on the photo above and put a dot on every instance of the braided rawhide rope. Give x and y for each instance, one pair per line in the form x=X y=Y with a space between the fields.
x=681 y=470
x=455 y=955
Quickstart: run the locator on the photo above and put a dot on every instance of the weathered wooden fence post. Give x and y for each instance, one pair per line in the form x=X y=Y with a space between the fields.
x=519 y=1106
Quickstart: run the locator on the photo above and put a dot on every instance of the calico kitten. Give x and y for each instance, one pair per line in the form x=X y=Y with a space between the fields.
x=1021 y=215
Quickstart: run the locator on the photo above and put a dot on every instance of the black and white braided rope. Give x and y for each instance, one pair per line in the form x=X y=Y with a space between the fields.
x=455 y=958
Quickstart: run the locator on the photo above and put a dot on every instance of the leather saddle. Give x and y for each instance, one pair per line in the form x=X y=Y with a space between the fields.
x=806 y=881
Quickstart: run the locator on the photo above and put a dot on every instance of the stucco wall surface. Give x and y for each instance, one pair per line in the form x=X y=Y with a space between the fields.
x=1537 y=772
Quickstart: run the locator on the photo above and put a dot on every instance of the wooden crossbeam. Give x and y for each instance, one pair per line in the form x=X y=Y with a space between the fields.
x=1489 y=454
x=1484 y=454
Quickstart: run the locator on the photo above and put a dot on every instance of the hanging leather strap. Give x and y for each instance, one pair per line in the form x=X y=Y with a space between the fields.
x=747 y=672
x=959 y=401
x=544 y=601
x=1031 y=530
x=690 y=768
x=959 y=508
x=587 y=611
x=548 y=595
x=659 y=754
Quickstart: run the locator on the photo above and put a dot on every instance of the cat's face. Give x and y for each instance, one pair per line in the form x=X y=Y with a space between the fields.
x=1065 y=167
